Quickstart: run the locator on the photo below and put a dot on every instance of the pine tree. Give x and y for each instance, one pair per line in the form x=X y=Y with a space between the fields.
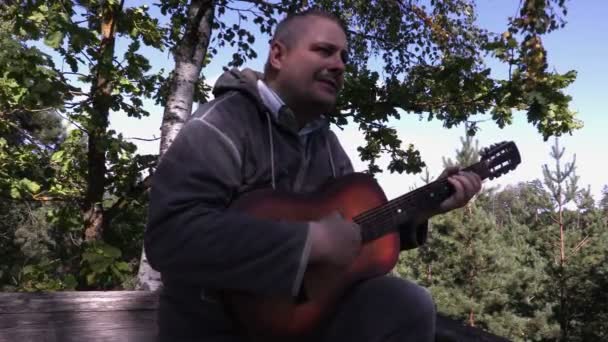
x=604 y=202
x=527 y=203
x=519 y=210
x=467 y=154
x=587 y=213
x=562 y=184
x=586 y=273
x=468 y=264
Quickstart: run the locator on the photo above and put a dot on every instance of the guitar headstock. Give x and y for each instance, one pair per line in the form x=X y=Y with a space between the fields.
x=498 y=159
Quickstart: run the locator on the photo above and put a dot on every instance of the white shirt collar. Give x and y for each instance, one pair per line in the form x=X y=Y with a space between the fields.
x=270 y=98
x=273 y=102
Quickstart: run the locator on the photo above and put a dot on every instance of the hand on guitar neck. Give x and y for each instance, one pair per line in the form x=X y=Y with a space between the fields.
x=337 y=241
x=466 y=185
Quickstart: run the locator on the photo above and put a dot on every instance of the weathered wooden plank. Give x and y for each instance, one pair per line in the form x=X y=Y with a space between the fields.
x=124 y=316
x=77 y=301
x=131 y=326
x=78 y=316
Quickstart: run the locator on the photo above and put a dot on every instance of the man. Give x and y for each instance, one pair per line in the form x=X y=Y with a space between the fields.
x=269 y=131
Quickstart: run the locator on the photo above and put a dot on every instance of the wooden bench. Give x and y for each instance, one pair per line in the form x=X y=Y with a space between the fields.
x=122 y=316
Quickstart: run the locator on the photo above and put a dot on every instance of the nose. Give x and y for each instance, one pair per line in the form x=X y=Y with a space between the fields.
x=337 y=64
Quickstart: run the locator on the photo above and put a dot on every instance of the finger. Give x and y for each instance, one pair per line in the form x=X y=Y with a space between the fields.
x=457 y=183
x=474 y=183
x=458 y=194
x=449 y=171
x=468 y=185
x=479 y=181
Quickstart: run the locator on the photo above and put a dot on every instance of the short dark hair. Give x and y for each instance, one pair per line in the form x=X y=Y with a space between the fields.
x=287 y=31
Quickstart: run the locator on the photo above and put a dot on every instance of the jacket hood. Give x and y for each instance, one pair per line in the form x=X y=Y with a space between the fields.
x=245 y=82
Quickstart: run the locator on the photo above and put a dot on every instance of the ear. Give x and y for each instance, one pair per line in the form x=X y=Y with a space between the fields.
x=278 y=53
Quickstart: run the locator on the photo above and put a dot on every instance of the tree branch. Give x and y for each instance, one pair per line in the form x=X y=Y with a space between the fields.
x=402 y=45
x=42 y=198
x=581 y=244
x=247 y=10
x=79 y=93
x=430 y=104
x=72 y=122
x=278 y=7
x=143 y=139
x=87 y=57
x=74 y=73
x=37 y=198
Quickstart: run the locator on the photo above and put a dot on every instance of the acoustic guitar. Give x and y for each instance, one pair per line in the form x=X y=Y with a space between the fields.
x=359 y=198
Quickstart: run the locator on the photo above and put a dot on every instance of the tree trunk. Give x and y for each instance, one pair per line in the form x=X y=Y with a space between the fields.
x=471 y=318
x=189 y=56
x=563 y=304
x=101 y=91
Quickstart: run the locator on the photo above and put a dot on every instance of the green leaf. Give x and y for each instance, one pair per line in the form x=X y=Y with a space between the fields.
x=91 y=257
x=57 y=157
x=117 y=272
x=15 y=192
x=31 y=186
x=90 y=278
x=72 y=62
x=53 y=39
x=28 y=269
x=36 y=17
x=70 y=282
x=101 y=266
x=111 y=251
x=122 y=266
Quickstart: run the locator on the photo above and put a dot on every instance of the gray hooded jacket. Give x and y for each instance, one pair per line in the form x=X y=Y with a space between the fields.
x=230 y=146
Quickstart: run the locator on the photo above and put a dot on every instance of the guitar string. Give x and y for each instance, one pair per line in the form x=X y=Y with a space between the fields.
x=390 y=206
x=375 y=227
x=378 y=217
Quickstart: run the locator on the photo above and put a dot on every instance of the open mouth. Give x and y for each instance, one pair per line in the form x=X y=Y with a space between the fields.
x=330 y=83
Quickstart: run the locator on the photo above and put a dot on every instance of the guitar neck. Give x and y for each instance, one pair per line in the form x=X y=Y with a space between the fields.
x=386 y=218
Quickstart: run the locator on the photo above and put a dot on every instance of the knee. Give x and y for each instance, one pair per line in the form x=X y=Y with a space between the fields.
x=402 y=296
x=384 y=309
x=417 y=313
x=419 y=297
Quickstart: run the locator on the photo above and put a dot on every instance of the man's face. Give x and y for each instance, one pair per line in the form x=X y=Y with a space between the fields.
x=311 y=72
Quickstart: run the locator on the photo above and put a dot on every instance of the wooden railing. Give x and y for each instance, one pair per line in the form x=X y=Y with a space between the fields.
x=123 y=316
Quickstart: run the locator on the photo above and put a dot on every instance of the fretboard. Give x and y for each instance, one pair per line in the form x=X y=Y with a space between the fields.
x=386 y=218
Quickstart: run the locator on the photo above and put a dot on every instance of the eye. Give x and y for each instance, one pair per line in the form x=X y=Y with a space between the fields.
x=325 y=51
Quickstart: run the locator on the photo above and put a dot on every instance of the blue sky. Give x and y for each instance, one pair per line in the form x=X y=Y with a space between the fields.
x=580 y=46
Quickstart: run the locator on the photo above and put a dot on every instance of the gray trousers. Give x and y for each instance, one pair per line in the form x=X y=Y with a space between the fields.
x=383 y=309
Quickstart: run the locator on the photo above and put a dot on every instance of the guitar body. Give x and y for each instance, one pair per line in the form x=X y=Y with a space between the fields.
x=280 y=317
x=359 y=198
